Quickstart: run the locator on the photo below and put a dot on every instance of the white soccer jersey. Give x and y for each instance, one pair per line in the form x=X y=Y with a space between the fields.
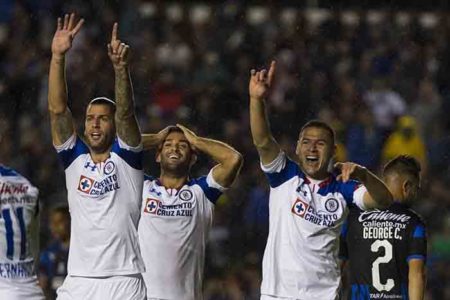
x=18 y=236
x=301 y=256
x=173 y=231
x=104 y=203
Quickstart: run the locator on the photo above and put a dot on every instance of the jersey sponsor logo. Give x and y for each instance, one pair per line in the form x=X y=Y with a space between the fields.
x=300 y=208
x=151 y=206
x=17 y=270
x=10 y=188
x=85 y=184
x=331 y=205
x=307 y=212
x=90 y=166
x=109 y=168
x=377 y=215
x=186 y=195
x=98 y=188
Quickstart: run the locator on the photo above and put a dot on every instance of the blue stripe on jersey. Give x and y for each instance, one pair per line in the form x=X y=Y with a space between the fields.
x=419 y=232
x=290 y=170
x=415 y=256
x=5 y=171
x=148 y=177
x=405 y=293
x=69 y=155
x=347 y=189
x=23 y=233
x=133 y=159
x=211 y=193
x=344 y=229
x=360 y=292
x=9 y=234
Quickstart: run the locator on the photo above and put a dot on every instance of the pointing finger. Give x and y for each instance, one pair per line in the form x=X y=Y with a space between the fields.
x=114 y=32
x=271 y=72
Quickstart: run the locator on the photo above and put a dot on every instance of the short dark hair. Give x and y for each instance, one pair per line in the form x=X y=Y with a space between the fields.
x=105 y=101
x=322 y=125
x=403 y=164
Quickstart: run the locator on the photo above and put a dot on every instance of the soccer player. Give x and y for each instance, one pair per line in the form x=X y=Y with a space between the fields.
x=307 y=204
x=386 y=249
x=19 y=219
x=104 y=178
x=177 y=211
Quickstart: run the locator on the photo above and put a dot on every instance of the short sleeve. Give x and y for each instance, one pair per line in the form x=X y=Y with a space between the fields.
x=70 y=150
x=353 y=192
x=280 y=170
x=210 y=187
x=418 y=242
x=131 y=155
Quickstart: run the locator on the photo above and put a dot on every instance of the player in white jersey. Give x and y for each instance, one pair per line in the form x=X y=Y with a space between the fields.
x=177 y=211
x=307 y=204
x=19 y=234
x=104 y=178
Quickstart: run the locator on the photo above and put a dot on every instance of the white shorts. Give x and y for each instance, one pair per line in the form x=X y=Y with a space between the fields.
x=128 y=287
x=18 y=290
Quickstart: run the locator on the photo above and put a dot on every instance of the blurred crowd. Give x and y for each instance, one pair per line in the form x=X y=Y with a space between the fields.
x=380 y=78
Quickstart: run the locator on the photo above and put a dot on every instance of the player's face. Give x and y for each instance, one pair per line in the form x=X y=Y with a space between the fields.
x=60 y=226
x=315 y=148
x=99 y=127
x=175 y=153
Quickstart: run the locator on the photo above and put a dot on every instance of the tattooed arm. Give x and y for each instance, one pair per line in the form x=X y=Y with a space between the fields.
x=60 y=116
x=126 y=123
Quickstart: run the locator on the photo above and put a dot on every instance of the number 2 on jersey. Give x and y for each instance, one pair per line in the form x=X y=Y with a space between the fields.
x=6 y=214
x=381 y=260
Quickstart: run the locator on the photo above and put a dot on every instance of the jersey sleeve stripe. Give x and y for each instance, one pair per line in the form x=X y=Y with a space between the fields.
x=211 y=193
x=23 y=233
x=415 y=256
x=132 y=158
x=67 y=156
x=419 y=232
x=289 y=171
x=9 y=234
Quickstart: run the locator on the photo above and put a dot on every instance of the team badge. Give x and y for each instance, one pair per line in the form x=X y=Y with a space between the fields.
x=109 y=168
x=332 y=205
x=85 y=184
x=151 y=205
x=300 y=208
x=186 y=195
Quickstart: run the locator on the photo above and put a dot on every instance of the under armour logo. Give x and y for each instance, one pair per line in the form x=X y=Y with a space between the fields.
x=88 y=165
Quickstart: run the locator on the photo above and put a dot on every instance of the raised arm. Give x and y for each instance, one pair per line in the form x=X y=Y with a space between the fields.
x=126 y=123
x=153 y=140
x=229 y=160
x=377 y=195
x=60 y=116
x=260 y=83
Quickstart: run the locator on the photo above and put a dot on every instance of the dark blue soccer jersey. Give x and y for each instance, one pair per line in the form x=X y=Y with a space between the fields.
x=378 y=245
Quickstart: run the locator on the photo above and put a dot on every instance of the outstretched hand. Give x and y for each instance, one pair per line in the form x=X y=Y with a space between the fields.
x=349 y=171
x=65 y=33
x=261 y=82
x=118 y=51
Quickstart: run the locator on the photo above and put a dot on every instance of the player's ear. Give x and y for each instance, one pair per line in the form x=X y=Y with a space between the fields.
x=193 y=159
x=158 y=156
x=406 y=188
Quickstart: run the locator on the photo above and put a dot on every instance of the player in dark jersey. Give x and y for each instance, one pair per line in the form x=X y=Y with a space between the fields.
x=385 y=250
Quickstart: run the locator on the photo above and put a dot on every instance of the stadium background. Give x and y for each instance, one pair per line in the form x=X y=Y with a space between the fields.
x=379 y=74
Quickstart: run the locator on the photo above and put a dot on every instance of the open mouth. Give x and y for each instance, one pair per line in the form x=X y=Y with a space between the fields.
x=174 y=157
x=96 y=136
x=312 y=159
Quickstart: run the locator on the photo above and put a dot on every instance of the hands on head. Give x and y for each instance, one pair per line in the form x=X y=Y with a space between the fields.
x=261 y=82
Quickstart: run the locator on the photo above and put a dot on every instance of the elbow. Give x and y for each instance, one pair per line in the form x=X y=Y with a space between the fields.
x=57 y=110
x=262 y=143
x=237 y=160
